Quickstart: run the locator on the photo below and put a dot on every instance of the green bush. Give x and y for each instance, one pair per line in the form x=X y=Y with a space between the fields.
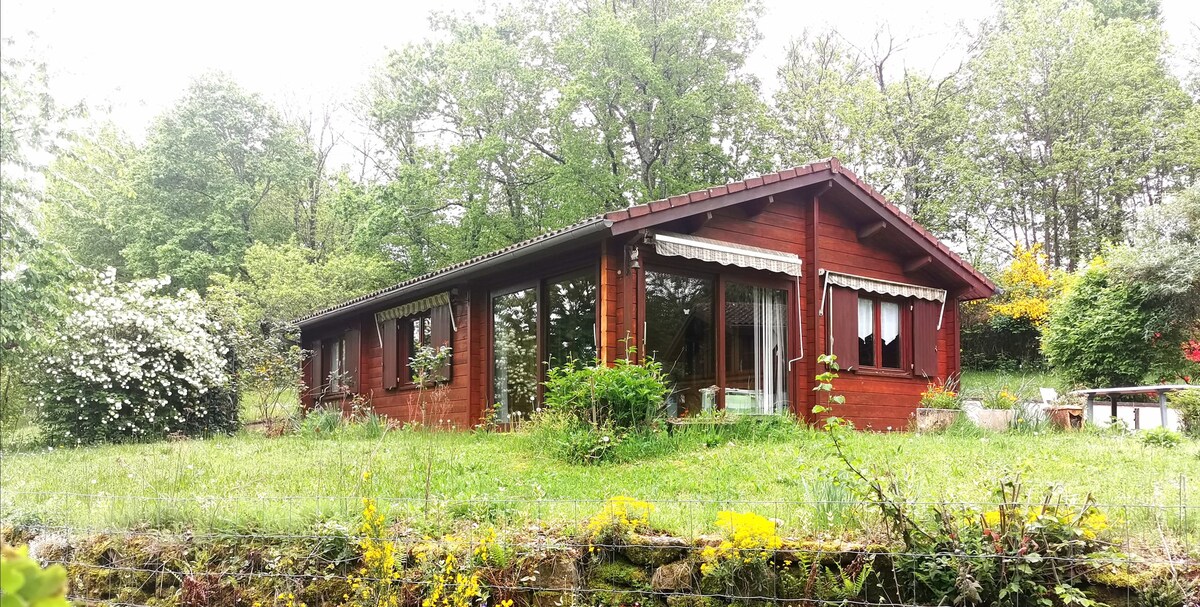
x=625 y=395
x=1098 y=333
x=1187 y=404
x=1160 y=437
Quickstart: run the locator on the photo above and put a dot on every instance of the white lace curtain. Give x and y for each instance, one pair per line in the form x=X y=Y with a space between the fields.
x=770 y=353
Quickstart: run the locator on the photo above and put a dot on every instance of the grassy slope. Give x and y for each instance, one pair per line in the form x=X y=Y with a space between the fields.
x=288 y=483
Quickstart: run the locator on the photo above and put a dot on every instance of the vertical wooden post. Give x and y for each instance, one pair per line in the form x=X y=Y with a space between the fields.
x=1112 y=398
x=719 y=339
x=1162 y=407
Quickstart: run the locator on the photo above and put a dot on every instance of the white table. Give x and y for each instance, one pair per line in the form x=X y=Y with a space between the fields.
x=1160 y=390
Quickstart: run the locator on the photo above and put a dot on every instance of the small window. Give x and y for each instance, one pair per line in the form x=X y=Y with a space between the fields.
x=334 y=356
x=417 y=333
x=879 y=333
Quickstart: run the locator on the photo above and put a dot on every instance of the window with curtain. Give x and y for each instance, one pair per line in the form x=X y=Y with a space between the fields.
x=755 y=349
x=879 y=331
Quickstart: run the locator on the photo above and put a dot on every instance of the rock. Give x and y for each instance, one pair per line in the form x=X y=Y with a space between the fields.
x=619 y=574
x=693 y=600
x=655 y=550
x=552 y=599
x=679 y=576
x=556 y=573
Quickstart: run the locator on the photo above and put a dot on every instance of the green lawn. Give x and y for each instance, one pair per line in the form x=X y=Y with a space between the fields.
x=976 y=384
x=289 y=483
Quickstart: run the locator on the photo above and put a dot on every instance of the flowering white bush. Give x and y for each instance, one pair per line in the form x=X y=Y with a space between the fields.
x=133 y=361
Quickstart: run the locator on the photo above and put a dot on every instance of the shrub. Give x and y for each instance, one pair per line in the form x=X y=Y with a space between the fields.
x=618 y=521
x=133 y=362
x=1000 y=399
x=24 y=582
x=1187 y=404
x=1098 y=333
x=626 y=394
x=1160 y=437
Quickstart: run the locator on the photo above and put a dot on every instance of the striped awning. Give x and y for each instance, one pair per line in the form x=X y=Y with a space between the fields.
x=726 y=253
x=884 y=287
x=414 y=307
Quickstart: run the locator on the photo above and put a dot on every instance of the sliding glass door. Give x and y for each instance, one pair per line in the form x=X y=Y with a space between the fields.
x=680 y=335
x=561 y=311
x=755 y=349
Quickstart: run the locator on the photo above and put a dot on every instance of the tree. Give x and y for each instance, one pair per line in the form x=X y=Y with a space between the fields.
x=1097 y=333
x=541 y=115
x=219 y=172
x=33 y=272
x=87 y=185
x=1084 y=124
x=907 y=133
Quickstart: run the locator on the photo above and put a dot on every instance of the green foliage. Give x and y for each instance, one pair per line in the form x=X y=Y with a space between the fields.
x=219 y=171
x=24 y=583
x=1097 y=332
x=1160 y=437
x=625 y=395
x=1168 y=591
x=1186 y=403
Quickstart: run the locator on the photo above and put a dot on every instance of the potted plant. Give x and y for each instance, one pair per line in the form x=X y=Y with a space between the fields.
x=939 y=406
x=999 y=409
x=1066 y=412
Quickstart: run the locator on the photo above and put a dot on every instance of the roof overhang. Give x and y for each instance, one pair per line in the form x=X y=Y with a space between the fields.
x=571 y=236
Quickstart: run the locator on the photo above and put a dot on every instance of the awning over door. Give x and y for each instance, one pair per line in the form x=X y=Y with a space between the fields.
x=414 y=307
x=726 y=253
x=884 y=287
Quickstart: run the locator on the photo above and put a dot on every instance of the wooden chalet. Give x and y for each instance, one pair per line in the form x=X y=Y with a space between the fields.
x=735 y=289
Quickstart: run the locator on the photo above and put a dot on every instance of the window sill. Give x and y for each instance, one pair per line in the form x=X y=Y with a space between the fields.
x=877 y=372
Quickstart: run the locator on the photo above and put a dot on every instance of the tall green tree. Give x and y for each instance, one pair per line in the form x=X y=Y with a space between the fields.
x=33 y=272
x=220 y=171
x=542 y=114
x=1084 y=123
x=87 y=185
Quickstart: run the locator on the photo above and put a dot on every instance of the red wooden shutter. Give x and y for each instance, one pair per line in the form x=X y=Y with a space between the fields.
x=925 y=334
x=843 y=326
x=317 y=368
x=441 y=335
x=351 y=357
x=390 y=371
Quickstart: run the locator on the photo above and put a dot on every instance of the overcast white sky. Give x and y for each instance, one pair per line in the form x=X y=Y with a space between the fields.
x=137 y=56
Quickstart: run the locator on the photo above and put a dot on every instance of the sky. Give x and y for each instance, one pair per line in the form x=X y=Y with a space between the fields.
x=134 y=58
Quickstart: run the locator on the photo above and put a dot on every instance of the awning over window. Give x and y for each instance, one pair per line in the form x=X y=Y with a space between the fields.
x=414 y=307
x=884 y=287
x=726 y=253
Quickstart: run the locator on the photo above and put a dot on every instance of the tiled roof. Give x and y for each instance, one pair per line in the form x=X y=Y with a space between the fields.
x=829 y=165
x=451 y=268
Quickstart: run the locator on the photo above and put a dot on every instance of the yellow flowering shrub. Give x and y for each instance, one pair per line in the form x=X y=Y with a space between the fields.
x=620 y=518
x=450 y=586
x=376 y=581
x=749 y=538
x=1028 y=286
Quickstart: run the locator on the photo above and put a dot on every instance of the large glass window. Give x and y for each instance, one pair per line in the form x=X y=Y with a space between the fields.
x=571 y=319
x=680 y=335
x=515 y=353
x=755 y=349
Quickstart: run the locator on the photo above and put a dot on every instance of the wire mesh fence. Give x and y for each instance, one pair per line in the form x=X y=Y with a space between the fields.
x=381 y=550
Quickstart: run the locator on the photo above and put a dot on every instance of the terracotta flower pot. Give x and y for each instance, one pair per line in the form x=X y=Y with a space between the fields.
x=994 y=419
x=935 y=420
x=1067 y=418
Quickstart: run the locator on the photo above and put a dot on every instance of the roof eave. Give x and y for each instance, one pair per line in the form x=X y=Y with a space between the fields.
x=440 y=278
